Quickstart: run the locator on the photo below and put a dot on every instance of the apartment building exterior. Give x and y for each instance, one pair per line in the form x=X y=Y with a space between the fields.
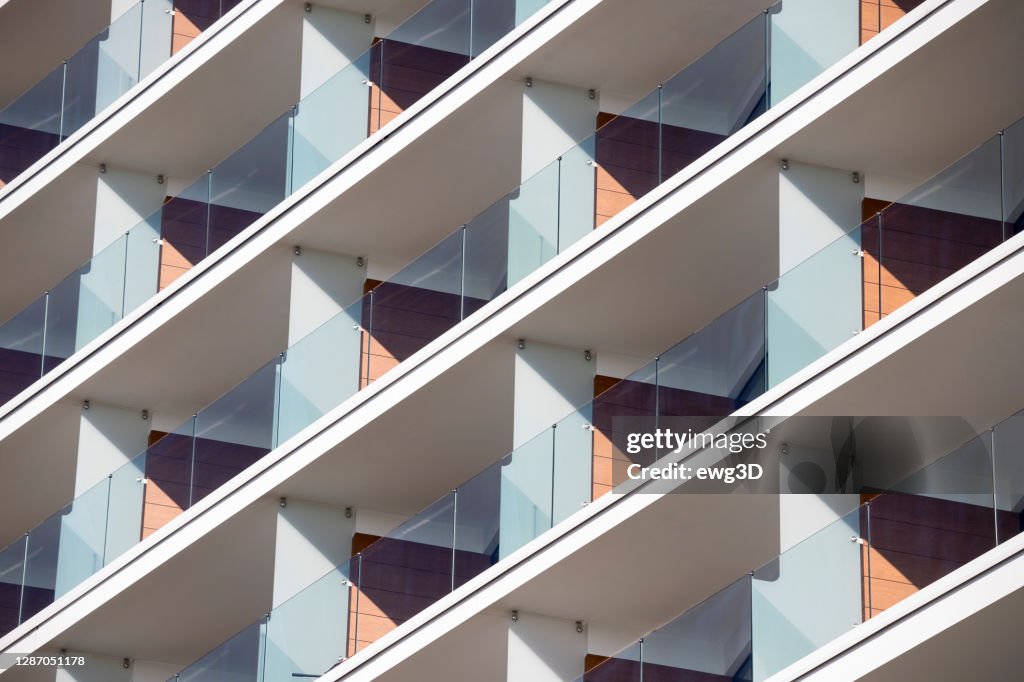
x=325 y=326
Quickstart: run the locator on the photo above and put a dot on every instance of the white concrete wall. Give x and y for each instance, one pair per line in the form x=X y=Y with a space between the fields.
x=542 y=649
x=807 y=37
x=549 y=474
x=331 y=40
x=801 y=516
x=555 y=204
x=555 y=118
x=152 y=671
x=809 y=501
x=119 y=7
x=313 y=545
x=817 y=205
x=334 y=69
x=617 y=365
x=373 y=522
x=819 y=266
x=124 y=198
x=108 y=438
x=312 y=540
x=321 y=366
x=811 y=595
x=124 y=269
x=323 y=285
x=106 y=517
x=550 y=383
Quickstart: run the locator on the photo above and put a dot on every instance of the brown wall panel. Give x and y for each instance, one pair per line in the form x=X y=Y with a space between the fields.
x=633 y=154
x=625 y=398
x=400 y=74
x=181 y=471
x=20 y=148
x=192 y=17
x=876 y=15
x=919 y=247
x=403 y=320
x=189 y=230
x=184 y=30
x=396 y=579
x=29 y=602
x=915 y=540
x=18 y=370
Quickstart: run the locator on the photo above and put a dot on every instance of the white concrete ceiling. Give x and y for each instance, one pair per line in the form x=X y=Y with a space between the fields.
x=629 y=581
x=35 y=474
x=945 y=100
x=444 y=179
x=221 y=105
x=625 y=49
x=184 y=369
x=42 y=450
x=650 y=568
x=48 y=240
x=434 y=450
x=690 y=270
x=433 y=453
x=37 y=35
x=967 y=366
x=477 y=650
x=193 y=603
x=985 y=646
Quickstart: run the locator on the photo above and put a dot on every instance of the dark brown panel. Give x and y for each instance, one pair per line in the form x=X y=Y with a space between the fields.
x=400 y=74
x=21 y=147
x=397 y=579
x=18 y=370
x=626 y=398
x=916 y=540
x=403 y=320
x=915 y=249
x=634 y=155
x=186 y=237
x=181 y=470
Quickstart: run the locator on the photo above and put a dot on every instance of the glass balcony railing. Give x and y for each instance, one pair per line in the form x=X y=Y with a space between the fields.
x=896 y=543
x=767 y=59
x=712 y=372
x=89 y=81
x=389 y=77
x=852 y=569
x=809 y=311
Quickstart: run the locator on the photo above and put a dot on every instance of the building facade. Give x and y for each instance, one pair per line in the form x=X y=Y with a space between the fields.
x=338 y=338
